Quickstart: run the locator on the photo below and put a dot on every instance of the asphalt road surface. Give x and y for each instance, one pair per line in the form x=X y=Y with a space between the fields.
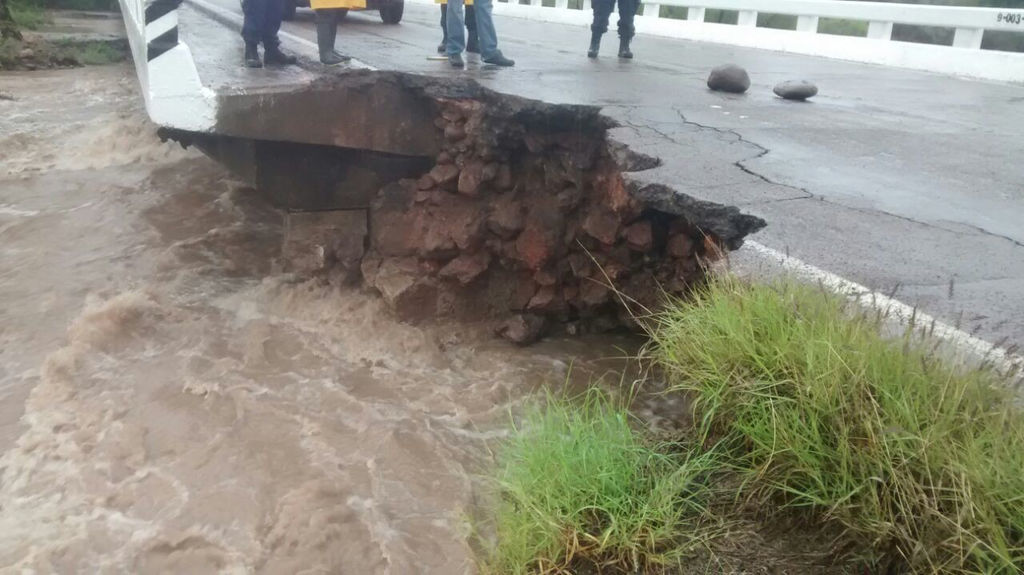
x=894 y=179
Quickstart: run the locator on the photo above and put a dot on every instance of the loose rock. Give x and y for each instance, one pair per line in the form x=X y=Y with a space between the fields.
x=795 y=89
x=466 y=268
x=729 y=78
x=523 y=329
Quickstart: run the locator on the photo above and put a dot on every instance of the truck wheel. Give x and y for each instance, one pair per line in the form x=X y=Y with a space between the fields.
x=289 y=10
x=392 y=13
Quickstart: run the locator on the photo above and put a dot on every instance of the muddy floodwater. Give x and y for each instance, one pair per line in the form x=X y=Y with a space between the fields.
x=170 y=402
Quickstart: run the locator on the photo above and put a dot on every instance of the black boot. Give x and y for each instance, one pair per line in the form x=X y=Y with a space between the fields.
x=273 y=56
x=443 y=46
x=252 y=56
x=595 y=45
x=624 y=49
x=326 y=33
x=472 y=38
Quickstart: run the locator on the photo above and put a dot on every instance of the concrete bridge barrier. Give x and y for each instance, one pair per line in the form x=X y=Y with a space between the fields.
x=963 y=57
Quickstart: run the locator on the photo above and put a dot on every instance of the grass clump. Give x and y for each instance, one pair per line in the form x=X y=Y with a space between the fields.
x=583 y=491
x=918 y=461
x=28 y=15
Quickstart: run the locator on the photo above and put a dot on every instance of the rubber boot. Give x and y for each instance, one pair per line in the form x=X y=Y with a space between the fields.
x=624 y=49
x=595 y=45
x=443 y=46
x=252 y=56
x=472 y=38
x=326 y=33
x=273 y=56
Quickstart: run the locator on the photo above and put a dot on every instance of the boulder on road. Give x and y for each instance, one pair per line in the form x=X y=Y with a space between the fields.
x=795 y=89
x=729 y=78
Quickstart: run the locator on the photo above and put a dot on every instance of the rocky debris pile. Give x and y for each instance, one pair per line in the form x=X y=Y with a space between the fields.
x=795 y=89
x=729 y=78
x=525 y=217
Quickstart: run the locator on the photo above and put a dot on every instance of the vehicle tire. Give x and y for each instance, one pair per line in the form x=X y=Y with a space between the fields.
x=392 y=13
x=289 y=10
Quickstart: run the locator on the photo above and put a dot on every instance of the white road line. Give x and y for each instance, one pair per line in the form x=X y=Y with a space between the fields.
x=904 y=314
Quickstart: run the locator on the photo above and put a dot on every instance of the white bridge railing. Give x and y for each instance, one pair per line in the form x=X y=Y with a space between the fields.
x=964 y=57
x=168 y=78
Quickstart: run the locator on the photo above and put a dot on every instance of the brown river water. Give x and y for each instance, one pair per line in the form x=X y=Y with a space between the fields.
x=170 y=402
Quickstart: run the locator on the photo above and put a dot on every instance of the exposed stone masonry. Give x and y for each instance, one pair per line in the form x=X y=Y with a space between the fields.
x=525 y=217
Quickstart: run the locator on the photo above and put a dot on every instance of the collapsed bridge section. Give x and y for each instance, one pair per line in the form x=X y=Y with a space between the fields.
x=453 y=200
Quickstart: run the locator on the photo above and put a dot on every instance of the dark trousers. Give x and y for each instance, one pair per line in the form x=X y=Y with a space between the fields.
x=603 y=9
x=262 y=21
x=470 y=24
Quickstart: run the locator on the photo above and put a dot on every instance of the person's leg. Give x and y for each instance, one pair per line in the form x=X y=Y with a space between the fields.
x=272 y=53
x=252 y=31
x=456 y=32
x=326 y=33
x=472 y=39
x=488 y=35
x=627 y=10
x=444 y=30
x=602 y=9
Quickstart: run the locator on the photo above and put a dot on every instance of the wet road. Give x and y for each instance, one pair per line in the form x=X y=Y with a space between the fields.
x=891 y=178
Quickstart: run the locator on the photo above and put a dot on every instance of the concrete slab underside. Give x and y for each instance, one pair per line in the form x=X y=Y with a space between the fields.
x=889 y=177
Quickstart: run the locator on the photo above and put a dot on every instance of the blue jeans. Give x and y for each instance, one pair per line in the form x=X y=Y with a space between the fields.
x=484 y=28
x=261 y=21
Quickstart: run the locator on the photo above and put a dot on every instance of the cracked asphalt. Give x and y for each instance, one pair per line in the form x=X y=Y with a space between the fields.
x=902 y=181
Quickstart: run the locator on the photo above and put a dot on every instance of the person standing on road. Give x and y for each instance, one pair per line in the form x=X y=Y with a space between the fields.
x=328 y=14
x=602 y=10
x=472 y=41
x=262 y=20
x=485 y=30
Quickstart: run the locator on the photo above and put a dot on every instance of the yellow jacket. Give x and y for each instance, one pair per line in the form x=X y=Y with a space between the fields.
x=348 y=4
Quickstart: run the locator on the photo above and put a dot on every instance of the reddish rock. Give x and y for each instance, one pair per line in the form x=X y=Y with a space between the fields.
x=543 y=299
x=471 y=178
x=535 y=246
x=523 y=329
x=466 y=106
x=320 y=241
x=570 y=292
x=425 y=182
x=453 y=226
x=466 y=267
x=444 y=158
x=545 y=278
x=534 y=143
x=524 y=290
x=491 y=171
x=680 y=246
x=593 y=293
x=444 y=173
x=601 y=225
x=452 y=114
x=506 y=217
x=639 y=236
x=569 y=198
x=454 y=132
x=580 y=264
x=405 y=289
